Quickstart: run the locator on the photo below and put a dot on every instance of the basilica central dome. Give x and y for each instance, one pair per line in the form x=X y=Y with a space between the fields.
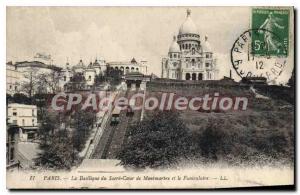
x=188 y=27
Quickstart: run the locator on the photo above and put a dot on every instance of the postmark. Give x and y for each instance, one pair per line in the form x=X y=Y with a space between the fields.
x=262 y=51
x=248 y=64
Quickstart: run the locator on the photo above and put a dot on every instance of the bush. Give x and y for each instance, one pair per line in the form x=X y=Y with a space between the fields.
x=20 y=98
x=156 y=142
x=57 y=152
x=215 y=143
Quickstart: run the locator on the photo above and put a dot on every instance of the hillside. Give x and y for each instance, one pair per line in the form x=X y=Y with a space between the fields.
x=262 y=134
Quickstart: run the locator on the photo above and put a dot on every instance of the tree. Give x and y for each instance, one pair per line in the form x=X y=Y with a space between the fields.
x=29 y=85
x=20 y=98
x=40 y=82
x=156 y=142
x=83 y=124
x=57 y=152
x=9 y=98
x=77 y=82
x=216 y=142
x=77 y=78
x=49 y=81
x=50 y=121
x=100 y=78
x=114 y=76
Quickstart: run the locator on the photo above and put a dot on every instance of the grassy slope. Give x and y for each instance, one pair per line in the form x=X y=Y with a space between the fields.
x=264 y=133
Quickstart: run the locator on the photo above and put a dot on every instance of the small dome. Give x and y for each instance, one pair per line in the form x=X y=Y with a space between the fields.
x=79 y=65
x=96 y=63
x=206 y=46
x=188 y=27
x=174 y=46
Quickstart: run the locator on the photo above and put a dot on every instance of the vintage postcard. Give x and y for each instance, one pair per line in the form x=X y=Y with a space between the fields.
x=150 y=97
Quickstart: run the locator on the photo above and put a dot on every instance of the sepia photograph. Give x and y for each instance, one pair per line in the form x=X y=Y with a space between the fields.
x=174 y=97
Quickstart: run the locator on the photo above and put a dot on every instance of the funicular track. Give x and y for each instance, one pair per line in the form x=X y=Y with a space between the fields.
x=114 y=136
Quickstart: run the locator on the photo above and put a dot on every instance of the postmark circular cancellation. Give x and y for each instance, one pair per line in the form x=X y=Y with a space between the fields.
x=263 y=50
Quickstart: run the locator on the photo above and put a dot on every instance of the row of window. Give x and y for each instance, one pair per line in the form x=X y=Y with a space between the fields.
x=11 y=87
x=127 y=68
x=174 y=55
x=15 y=122
x=208 y=55
x=121 y=68
x=207 y=65
x=193 y=76
x=188 y=35
x=15 y=112
x=193 y=64
x=189 y=46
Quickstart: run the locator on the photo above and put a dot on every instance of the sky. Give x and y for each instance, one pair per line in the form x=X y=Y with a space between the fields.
x=119 y=33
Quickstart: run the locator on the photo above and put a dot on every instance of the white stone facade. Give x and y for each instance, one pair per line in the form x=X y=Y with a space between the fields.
x=188 y=58
x=13 y=77
x=17 y=74
x=131 y=66
x=22 y=115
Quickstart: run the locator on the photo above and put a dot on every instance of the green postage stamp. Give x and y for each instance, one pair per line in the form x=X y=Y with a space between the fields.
x=273 y=39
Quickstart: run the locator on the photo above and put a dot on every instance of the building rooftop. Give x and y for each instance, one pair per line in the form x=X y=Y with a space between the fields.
x=21 y=105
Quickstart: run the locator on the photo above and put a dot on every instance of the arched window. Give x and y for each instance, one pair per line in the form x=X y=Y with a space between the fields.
x=187 y=76
x=194 y=76
x=189 y=46
x=122 y=69
x=200 y=76
x=193 y=62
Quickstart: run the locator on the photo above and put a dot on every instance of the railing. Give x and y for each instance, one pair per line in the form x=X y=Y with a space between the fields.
x=98 y=133
x=143 y=108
